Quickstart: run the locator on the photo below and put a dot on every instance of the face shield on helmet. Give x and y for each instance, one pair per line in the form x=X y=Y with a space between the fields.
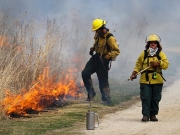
x=97 y=23
x=153 y=37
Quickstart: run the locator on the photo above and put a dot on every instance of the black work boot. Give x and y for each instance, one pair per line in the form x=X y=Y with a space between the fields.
x=153 y=118
x=107 y=102
x=90 y=97
x=145 y=118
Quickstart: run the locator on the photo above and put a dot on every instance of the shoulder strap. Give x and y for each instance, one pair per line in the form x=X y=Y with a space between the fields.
x=96 y=39
x=157 y=54
x=110 y=34
x=145 y=54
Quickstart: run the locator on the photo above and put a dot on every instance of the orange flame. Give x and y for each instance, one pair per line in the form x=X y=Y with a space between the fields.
x=41 y=95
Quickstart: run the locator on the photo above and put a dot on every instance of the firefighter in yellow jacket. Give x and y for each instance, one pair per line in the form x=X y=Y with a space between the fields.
x=106 y=49
x=151 y=80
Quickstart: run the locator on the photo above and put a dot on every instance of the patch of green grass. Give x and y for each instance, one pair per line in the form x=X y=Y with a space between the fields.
x=62 y=120
x=40 y=125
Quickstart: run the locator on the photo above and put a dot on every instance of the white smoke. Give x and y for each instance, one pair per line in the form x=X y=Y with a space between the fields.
x=130 y=21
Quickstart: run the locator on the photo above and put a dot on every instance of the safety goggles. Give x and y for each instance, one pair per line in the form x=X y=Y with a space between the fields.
x=152 y=42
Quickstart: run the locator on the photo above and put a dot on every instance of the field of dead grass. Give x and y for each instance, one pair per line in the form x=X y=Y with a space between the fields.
x=33 y=62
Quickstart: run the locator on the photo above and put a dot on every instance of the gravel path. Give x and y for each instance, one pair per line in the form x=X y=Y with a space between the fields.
x=128 y=122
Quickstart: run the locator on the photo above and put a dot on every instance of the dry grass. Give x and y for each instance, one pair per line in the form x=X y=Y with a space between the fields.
x=24 y=54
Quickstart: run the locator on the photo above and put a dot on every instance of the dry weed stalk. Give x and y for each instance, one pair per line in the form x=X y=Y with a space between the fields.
x=23 y=56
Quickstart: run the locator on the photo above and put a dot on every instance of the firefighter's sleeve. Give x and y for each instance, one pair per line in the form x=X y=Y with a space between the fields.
x=95 y=40
x=112 y=43
x=164 y=63
x=139 y=63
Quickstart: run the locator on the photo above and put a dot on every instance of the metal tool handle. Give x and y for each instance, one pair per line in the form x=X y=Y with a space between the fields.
x=89 y=102
x=140 y=72
x=97 y=119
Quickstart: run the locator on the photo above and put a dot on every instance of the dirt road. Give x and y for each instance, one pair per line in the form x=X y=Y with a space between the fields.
x=128 y=122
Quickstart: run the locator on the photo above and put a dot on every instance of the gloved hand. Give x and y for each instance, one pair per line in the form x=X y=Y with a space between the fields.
x=155 y=64
x=133 y=75
x=91 y=51
x=107 y=57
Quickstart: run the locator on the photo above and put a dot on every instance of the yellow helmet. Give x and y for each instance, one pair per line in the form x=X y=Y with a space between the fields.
x=97 y=23
x=153 y=37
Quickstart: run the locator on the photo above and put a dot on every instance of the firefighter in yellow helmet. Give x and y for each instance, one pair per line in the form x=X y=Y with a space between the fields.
x=151 y=80
x=106 y=49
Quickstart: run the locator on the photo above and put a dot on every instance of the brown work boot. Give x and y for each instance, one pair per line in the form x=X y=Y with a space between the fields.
x=145 y=118
x=153 y=118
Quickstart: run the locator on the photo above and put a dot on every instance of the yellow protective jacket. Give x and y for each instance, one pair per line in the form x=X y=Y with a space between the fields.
x=142 y=64
x=111 y=47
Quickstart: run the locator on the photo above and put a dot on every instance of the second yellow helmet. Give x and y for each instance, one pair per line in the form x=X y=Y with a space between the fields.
x=97 y=23
x=153 y=37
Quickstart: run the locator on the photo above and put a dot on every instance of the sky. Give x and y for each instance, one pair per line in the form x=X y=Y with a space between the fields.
x=130 y=21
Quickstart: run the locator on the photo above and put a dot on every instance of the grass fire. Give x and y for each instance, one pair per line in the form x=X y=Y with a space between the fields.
x=40 y=95
x=34 y=73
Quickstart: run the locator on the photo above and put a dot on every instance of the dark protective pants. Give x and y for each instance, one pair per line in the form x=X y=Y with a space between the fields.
x=150 y=95
x=100 y=66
